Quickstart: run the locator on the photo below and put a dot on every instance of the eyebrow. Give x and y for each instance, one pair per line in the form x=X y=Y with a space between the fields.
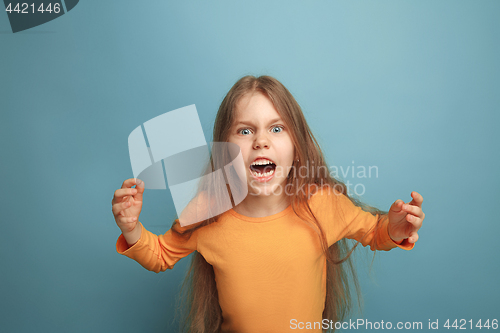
x=246 y=122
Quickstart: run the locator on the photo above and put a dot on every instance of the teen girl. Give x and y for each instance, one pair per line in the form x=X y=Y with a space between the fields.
x=278 y=261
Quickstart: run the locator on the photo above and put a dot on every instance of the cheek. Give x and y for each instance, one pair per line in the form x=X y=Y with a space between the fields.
x=287 y=148
x=240 y=144
x=245 y=152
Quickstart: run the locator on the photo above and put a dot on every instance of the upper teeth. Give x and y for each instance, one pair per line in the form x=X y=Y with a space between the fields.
x=262 y=162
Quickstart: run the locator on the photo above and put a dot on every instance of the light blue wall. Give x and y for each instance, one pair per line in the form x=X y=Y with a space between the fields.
x=411 y=87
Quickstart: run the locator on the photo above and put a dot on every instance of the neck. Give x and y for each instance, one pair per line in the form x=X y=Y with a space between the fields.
x=262 y=205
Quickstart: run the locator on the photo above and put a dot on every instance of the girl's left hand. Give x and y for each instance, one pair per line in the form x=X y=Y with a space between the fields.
x=406 y=219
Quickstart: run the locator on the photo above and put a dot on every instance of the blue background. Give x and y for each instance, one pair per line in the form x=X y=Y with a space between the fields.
x=411 y=87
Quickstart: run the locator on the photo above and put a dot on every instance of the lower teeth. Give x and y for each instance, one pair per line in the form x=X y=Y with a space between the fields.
x=264 y=174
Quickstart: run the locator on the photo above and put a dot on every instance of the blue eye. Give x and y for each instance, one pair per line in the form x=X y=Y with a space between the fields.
x=246 y=131
x=243 y=129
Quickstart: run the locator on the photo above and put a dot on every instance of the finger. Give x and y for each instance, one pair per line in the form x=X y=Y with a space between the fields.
x=127 y=219
x=139 y=187
x=413 y=237
x=414 y=210
x=120 y=207
x=121 y=193
x=415 y=221
x=417 y=199
x=397 y=206
x=129 y=183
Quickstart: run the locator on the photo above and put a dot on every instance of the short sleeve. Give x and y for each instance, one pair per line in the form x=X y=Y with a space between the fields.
x=343 y=219
x=159 y=253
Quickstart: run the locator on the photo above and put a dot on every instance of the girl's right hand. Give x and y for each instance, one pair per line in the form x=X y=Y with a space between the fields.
x=127 y=204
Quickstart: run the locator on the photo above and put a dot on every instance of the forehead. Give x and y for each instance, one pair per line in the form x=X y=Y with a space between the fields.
x=255 y=106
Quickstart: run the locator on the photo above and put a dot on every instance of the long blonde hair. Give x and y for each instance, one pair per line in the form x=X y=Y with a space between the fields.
x=199 y=303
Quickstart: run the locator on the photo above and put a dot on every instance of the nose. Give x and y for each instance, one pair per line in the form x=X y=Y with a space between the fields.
x=261 y=141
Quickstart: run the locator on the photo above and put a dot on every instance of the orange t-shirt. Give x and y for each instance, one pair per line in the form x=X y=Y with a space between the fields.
x=270 y=271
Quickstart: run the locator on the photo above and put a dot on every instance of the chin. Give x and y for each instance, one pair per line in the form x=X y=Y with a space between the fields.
x=257 y=189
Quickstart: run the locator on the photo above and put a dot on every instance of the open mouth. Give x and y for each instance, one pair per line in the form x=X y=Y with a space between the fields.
x=263 y=170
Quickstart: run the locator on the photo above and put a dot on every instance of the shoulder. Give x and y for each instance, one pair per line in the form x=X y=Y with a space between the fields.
x=328 y=202
x=198 y=210
x=326 y=194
